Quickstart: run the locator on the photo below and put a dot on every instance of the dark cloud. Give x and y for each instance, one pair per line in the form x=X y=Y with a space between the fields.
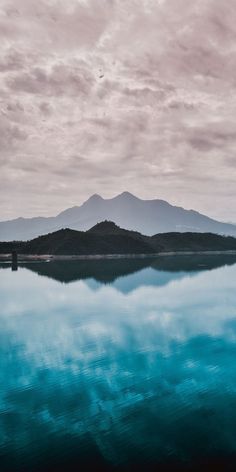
x=10 y=134
x=206 y=140
x=45 y=108
x=61 y=80
x=11 y=61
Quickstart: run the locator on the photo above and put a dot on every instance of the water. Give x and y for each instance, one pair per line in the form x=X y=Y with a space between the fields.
x=118 y=365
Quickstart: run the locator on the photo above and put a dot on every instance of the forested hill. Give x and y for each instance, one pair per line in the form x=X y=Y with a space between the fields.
x=107 y=238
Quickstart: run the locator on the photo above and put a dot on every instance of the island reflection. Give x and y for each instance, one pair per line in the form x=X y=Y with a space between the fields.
x=107 y=271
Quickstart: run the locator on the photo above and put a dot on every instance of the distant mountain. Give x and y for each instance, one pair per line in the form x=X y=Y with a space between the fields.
x=106 y=238
x=146 y=216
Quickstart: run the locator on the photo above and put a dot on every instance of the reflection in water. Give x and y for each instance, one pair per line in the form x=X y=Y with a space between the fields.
x=108 y=270
x=14 y=261
x=140 y=371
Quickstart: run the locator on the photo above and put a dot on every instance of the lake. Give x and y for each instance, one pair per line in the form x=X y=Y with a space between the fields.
x=118 y=365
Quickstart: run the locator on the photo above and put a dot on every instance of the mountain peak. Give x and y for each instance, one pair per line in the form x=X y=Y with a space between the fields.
x=127 y=195
x=95 y=196
x=105 y=227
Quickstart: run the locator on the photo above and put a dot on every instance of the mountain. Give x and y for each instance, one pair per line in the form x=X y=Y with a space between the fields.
x=106 y=238
x=146 y=216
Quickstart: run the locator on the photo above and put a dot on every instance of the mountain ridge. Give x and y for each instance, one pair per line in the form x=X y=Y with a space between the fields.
x=126 y=210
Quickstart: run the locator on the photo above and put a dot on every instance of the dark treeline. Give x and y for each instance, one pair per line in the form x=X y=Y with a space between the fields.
x=108 y=238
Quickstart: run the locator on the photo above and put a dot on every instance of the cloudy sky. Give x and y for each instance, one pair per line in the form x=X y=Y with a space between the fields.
x=113 y=95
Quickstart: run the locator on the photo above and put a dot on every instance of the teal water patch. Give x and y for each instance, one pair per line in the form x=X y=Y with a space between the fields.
x=117 y=370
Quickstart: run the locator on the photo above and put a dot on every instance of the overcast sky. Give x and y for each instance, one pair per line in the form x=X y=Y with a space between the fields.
x=102 y=96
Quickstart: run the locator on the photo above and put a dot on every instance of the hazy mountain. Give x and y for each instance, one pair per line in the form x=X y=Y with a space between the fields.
x=106 y=238
x=147 y=216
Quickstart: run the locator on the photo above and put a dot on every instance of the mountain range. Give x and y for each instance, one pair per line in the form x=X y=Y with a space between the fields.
x=106 y=238
x=128 y=211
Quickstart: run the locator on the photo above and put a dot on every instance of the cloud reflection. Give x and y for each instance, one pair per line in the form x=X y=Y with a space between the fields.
x=133 y=370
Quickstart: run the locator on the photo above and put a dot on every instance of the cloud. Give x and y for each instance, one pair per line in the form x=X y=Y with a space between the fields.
x=11 y=61
x=10 y=134
x=64 y=25
x=108 y=96
x=206 y=140
x=61 y=80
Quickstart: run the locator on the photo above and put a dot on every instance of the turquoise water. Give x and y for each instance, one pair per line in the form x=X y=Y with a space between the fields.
x=118 y=365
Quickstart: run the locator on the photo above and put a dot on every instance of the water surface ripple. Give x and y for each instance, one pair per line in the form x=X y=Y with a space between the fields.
x=116 y=365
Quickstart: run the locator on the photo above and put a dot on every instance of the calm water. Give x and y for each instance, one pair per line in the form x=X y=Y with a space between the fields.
x=118 y=365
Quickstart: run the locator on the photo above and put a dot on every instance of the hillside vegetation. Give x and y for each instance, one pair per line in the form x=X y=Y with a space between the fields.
x=108 y=238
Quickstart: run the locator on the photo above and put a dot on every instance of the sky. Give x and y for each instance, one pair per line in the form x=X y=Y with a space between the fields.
x=114 y=95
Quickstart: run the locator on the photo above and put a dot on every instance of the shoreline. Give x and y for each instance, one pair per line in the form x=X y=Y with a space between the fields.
x=51 y=258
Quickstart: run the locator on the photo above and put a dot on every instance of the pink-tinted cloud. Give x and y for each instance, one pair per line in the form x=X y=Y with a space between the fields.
x=117 y=95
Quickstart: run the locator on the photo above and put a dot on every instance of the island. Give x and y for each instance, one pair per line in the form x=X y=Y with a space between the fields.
x=106 y=239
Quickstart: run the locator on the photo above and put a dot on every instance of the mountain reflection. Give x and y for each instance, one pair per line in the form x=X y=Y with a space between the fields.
x=116 y=378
